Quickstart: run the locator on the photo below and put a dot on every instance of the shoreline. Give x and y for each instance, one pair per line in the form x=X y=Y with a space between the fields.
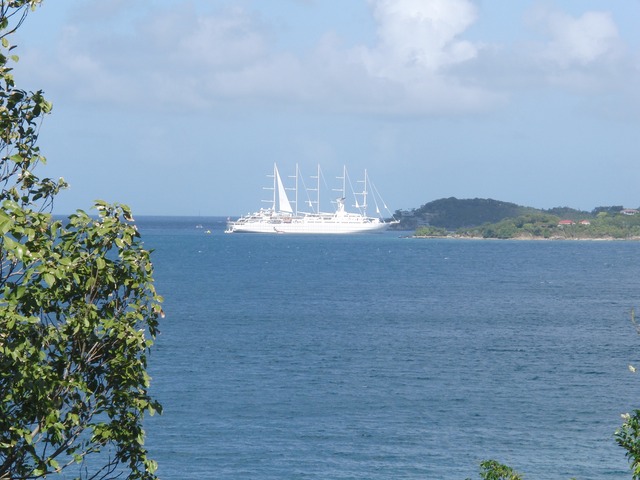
x=531 y=238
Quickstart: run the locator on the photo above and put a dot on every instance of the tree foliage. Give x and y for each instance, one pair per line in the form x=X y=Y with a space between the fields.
x=78 y=311
x=541 y=225
x=610 y=210
x=452 y=213
x=628 y=437
x=428 y=231
x=461 y=215
x=493 y=470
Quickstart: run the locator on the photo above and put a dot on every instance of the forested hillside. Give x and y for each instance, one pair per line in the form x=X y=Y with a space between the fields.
x=489 y=218
x=452 y=213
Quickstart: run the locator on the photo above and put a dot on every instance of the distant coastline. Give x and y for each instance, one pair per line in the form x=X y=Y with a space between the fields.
x=494 y=219
x=525 y=238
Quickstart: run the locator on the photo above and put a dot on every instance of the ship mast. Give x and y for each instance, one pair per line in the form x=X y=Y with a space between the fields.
x=273 y=200
x=362 y=207
x=343 y=190
x=364 y=193
x=295 y=188
x=316 y=177
x=318 y=190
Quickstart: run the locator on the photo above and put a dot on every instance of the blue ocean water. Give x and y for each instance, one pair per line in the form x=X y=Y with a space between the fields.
x=381 y=357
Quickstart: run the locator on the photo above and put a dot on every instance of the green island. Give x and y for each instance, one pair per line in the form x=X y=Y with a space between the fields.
x=494 y=219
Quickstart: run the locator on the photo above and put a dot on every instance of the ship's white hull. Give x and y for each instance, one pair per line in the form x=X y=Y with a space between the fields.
x=309 y=225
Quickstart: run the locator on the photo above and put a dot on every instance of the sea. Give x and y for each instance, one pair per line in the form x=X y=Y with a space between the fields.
x=387 y=357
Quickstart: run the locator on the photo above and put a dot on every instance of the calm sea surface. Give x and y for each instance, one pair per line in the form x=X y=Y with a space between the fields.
x=380 y=357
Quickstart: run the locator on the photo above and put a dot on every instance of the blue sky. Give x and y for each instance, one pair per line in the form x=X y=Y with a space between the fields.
x=182 y=107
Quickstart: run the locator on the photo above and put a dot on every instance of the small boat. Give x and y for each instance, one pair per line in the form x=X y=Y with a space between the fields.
x=282 y=218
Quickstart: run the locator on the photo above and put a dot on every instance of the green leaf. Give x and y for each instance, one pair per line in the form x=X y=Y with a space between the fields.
x=49 y=279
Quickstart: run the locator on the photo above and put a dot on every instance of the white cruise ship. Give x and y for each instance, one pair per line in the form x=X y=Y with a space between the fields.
x=280 y=217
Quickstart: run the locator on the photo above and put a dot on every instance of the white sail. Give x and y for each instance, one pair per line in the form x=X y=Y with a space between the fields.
x=284 y=204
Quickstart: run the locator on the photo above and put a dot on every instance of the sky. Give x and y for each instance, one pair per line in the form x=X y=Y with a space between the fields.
x=181 y=107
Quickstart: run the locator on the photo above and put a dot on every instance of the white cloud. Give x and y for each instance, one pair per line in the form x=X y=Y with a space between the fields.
x=180 y=58
x=418 y=33
x=229 y=40
x=579 y=41
x=419 y=62
x=582 y=53
x=418 y=42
